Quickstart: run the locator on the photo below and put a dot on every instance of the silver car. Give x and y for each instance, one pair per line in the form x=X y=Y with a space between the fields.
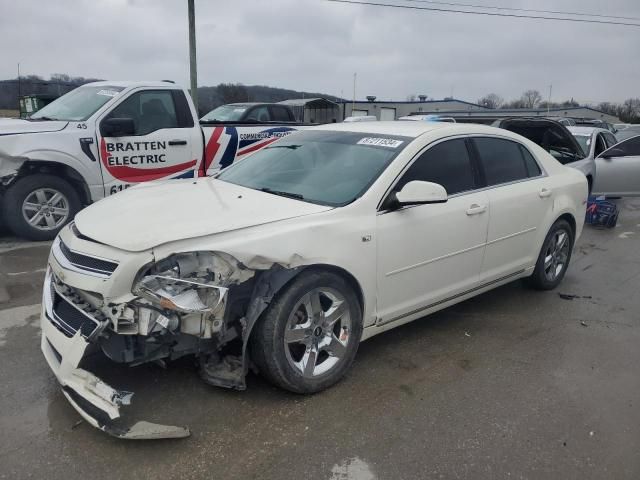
x=556 y=139
x=617 y=164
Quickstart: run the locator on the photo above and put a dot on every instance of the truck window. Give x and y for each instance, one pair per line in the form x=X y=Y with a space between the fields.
x=280 y=114
x=150 y=110
x=259 y=114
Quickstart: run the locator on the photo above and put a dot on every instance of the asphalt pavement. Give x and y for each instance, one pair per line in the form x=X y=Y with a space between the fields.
x=511 y=384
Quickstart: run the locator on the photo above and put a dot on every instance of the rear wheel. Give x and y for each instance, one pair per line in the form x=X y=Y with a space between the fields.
x=554 y=257
x=307 y=339
x=36 y=207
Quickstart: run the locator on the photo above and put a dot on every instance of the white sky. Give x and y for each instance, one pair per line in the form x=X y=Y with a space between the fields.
x=315 y=45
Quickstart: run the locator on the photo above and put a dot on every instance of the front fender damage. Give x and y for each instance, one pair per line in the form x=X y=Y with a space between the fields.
x=128 y=336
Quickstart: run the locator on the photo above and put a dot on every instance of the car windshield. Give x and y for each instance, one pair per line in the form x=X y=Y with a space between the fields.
x=585 y=142
x=77 y=105
x=324 y=167
x=225 y=113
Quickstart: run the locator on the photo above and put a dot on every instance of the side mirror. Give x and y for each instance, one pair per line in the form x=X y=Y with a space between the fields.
x=418 y=193
x=117 y=127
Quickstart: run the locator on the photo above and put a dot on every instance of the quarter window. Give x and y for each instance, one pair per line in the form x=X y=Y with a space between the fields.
x=503 y=160
x=533 y=169
x=447 y=163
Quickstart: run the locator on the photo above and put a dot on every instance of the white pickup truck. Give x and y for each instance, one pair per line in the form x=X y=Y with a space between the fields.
x=104 y=137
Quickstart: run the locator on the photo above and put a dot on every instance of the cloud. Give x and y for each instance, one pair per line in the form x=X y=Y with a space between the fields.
x=316 y=45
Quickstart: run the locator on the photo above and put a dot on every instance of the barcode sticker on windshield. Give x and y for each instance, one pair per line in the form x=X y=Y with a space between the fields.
x=380 y=142
x=107 y=93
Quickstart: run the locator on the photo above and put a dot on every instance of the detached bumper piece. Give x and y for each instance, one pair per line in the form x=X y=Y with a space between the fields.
x=66 y=330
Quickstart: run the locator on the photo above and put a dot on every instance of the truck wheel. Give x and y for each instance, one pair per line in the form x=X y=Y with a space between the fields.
x=308 y=337
x=36 y=207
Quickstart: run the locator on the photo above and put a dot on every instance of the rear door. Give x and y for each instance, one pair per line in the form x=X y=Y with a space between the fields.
x=618 y=169
x=165 y=142
x=519 y=198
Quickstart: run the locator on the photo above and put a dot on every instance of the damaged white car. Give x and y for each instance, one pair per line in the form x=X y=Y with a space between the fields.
x=288 y=259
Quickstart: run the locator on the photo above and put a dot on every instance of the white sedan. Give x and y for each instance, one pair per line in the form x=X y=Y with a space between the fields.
x=290 y=258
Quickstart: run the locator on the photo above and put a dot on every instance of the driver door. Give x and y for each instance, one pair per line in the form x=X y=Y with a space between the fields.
x=618 y=170
x=161 y=145
x=429 y=254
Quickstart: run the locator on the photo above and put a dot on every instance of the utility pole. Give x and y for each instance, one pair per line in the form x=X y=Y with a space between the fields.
x=549 y=102
x=193 y=66
x=19 y=84
x=353 y=102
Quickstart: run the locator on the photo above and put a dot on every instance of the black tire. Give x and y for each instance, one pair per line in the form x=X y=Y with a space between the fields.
x=274 y=357
x=22 y=189
x=540 y=278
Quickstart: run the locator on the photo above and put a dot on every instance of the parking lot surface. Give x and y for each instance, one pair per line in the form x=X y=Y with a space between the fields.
x=512 y=384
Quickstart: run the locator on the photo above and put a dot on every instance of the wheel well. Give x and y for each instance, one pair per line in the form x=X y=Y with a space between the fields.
x=70 y=174
x=350 y=279
x=570 y=220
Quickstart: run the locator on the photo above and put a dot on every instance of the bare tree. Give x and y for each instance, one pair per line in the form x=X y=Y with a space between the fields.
x=492 y=100
x=412 y=97
x=531 y=98
x=233 y=93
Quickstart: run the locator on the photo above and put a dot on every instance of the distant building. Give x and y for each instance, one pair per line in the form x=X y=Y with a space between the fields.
x=460 y=110
x=490 y=115
x=390 y=110
x=314 y=110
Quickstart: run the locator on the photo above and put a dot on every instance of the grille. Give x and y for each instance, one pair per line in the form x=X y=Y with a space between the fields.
x=87 y=263
x=68 y=319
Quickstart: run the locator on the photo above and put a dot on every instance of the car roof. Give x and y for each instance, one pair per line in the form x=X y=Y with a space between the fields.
x=585 y=130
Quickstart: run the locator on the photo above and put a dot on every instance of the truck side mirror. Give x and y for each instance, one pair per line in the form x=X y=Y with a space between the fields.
x=117 y=127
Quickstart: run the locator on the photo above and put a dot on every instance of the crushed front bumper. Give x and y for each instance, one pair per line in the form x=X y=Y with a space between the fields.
x=64 y=344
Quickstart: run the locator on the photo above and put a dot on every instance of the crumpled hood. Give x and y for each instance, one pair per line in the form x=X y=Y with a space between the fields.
x=10 y=126
x=156 y=213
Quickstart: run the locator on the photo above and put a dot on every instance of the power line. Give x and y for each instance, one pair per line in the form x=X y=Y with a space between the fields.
x=490 y=14
x=511 y=9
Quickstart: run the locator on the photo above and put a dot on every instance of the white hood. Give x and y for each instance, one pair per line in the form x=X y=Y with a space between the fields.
x=10 y=126
x=149 y=215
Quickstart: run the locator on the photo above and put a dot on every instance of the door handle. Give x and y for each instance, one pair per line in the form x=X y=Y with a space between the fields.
x=475 y=209
x=173 y=143
x=545 y=192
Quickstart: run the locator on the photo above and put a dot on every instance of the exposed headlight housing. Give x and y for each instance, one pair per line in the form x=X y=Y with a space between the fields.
x=194 y=282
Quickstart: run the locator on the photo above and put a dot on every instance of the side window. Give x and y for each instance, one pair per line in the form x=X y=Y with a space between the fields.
x=259 y=114
x=502 y=160
x=446 y=163
x=533 y=169
x=610 y=139
x=629 y=148
x=280 y=114
x=601 y=146
x=150 y=110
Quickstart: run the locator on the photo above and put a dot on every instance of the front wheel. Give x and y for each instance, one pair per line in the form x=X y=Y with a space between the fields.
x=554 y=257
x=307 y=339
x=36 y=207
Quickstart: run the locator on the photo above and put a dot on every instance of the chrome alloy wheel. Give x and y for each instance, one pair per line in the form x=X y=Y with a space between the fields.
x=45 y=209
x=318 y=332
x=556 y=255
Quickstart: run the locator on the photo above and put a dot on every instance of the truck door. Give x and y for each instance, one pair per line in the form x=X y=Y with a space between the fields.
x=149 y=135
